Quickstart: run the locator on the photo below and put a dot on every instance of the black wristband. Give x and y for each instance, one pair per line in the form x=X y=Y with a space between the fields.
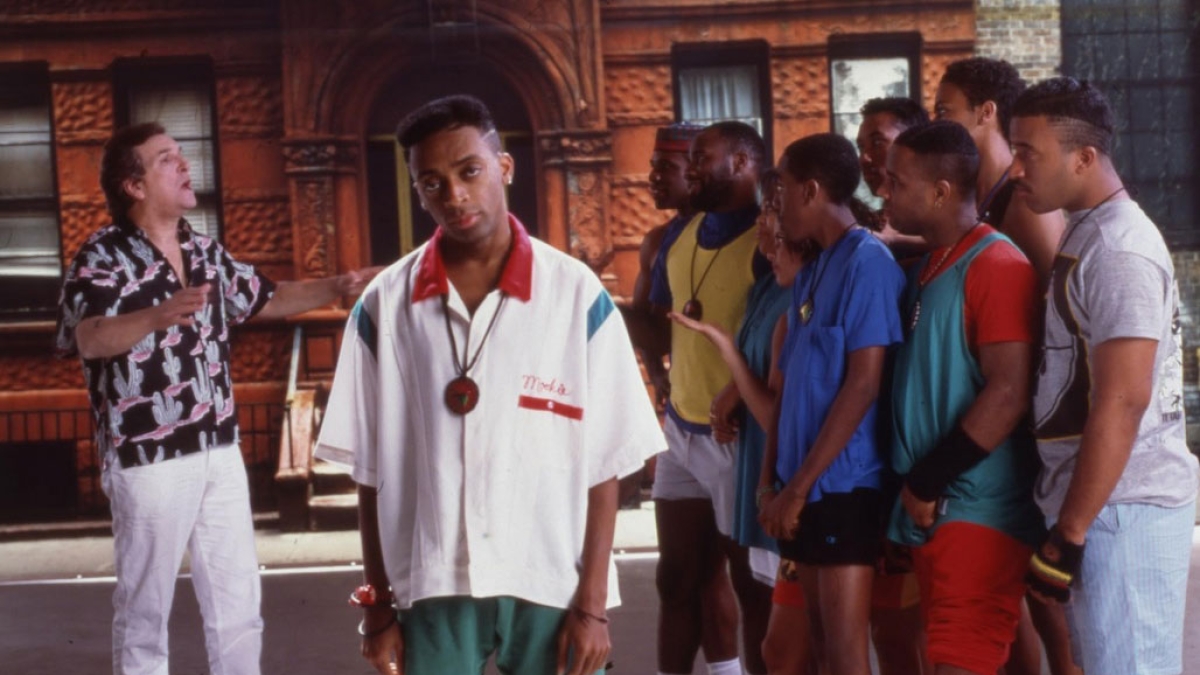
x=1063 y=554
x=955 y=454
x=1055 y=566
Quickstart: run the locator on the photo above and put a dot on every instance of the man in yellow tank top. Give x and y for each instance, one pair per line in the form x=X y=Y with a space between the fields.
x=705 y=268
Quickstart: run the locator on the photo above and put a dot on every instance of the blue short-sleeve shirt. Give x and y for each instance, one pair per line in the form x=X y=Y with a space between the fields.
x=855 y=288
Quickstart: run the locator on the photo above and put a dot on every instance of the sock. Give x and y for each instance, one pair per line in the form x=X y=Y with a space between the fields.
x=730 y=667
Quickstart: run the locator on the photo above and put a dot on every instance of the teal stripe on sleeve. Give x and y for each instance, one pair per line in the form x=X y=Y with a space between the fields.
x=599 y=312
x=365 y=326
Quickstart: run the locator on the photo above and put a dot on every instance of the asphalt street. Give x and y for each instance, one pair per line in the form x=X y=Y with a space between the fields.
x=52 y=622
x=55 y=627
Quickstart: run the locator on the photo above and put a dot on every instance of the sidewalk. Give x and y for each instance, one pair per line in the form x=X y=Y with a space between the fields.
x=92 y=556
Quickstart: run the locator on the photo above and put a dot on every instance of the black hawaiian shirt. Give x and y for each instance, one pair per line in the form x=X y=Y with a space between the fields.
x=171 y=394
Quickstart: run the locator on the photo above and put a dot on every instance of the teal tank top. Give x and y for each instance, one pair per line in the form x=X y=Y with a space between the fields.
x=936 y=379
x=768 y=301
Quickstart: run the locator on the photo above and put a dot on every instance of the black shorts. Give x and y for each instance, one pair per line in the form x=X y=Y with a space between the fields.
x=843 y=528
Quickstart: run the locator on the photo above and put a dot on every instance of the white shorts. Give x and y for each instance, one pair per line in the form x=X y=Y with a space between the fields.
x=697 y=467
x=764 y=565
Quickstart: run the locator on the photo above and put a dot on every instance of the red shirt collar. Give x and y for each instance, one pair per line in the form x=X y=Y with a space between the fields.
x=516 y=279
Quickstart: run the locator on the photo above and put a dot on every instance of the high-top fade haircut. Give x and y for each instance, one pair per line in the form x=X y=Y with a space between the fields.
x=120 y=162
x=945 y=152
x=1080 y=113
x=908 y=113
x=982 y=80
x=743 y=137
x=446 y=114
x=829 y=159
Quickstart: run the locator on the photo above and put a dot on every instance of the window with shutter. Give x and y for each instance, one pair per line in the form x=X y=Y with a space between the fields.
x=181 y=100
x=30 y=251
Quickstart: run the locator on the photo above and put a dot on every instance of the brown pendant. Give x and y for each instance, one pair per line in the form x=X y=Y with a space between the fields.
x=805 y=312
x=462 y=395
x=693 y=310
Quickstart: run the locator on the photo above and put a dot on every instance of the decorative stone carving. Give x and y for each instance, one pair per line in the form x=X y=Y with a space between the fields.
x=800 y=87
x=586 y=191
x=637 y=95
x=584 y=157
x=577 y=148
x=260 y=355
x=83 y=111
x=310 y=165
x=567 y=25
x=319 y=155
x=631 y=212
x=20 y=373
x=81 y=216
x=259 y=230
x=250 y=106
x=312 y=209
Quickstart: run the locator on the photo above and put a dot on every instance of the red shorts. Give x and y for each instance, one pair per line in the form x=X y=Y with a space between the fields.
x=788 y=590
x=972 y=580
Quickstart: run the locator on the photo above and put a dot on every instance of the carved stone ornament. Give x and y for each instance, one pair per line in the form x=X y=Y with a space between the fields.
x=81 y=216
x=576 y=148
x=259 y=230
x=631 y=211
x=312 y=208
x=260 y=355
x=250 y=106
x=33 y=373
x=83 y=111
x=586 y=201
x=319 y=155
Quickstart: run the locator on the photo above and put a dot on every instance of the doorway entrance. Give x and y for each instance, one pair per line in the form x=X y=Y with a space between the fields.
x=397 y=223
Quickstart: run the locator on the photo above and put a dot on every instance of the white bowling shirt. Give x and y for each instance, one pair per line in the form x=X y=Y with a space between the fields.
x=493 y=502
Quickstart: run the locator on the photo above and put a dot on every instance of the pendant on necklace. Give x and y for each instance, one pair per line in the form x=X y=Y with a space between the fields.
x=462 y=394
x=806 y=312
x=693 y=310
x=916 y=316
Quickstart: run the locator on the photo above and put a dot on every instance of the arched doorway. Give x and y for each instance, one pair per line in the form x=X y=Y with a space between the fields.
x=397 y=223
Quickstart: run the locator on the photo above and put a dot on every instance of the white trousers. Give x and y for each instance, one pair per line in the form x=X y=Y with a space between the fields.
x=201 y=503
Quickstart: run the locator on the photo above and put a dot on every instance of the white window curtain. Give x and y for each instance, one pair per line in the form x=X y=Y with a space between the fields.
x=708 y=95
x=186 y=113
x=28 y=233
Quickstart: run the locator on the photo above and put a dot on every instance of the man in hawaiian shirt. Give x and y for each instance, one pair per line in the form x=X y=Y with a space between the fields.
x=147 y=304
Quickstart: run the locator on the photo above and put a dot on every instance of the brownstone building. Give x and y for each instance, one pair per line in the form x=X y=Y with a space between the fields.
x=286 y=110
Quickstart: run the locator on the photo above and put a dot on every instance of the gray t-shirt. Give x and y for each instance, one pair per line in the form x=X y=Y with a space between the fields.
x=1112 y=278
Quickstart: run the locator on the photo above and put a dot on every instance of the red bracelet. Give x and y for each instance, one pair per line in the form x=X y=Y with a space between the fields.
x=367 y=596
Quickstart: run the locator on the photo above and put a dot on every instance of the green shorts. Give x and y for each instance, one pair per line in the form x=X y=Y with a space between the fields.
x=456 y=635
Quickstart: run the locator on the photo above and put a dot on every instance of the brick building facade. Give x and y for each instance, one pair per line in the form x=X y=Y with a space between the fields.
x=291 y=105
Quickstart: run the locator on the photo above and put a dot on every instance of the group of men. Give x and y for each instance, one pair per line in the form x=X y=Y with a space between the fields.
x=488 y=399
x=1010 y=313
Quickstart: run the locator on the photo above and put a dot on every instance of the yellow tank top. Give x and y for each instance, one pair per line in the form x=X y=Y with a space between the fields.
x=697 y=371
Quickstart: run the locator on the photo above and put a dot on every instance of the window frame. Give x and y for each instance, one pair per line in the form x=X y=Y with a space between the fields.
x=875 y=46
x=757 y=53
x=34 y=76
x=129 y=74
x=1180 y=232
